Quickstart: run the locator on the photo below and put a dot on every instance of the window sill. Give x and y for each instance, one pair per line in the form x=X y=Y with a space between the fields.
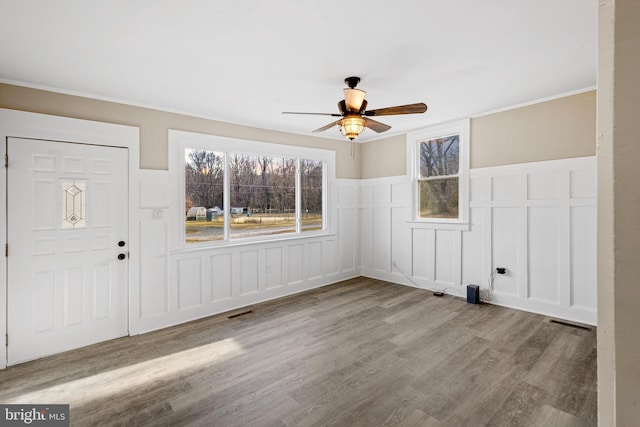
x=432 y=225
x=221 y=245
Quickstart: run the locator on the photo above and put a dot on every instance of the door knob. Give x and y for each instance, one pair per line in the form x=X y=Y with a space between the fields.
x=121 y=256
x=121 y=243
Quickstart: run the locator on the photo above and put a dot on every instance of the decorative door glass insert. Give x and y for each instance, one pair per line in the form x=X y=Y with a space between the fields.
x=73 y=204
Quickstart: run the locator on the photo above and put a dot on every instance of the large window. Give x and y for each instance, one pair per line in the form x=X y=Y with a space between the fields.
x=441 y=167
x=232 y=195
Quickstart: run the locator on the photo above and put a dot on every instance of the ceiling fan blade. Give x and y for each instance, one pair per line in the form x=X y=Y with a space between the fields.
x=376 y=126
x=313 y=114
x=363 y=107
x=329 y=126
x=400 y=109
x=342 y=107
x=353 y=98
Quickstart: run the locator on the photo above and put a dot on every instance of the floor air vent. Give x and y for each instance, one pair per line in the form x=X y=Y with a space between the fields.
x=239 y=314
x=560 y=322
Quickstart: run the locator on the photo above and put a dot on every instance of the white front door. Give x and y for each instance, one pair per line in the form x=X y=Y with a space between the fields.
x=67 y=231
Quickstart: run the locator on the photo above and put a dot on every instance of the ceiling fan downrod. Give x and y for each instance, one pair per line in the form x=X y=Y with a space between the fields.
x=352 y=82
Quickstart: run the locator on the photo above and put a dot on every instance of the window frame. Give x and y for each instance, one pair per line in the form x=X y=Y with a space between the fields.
x=179 y=141
x=414 y=139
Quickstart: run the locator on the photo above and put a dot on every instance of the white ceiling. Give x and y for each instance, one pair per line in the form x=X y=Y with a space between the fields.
x=246 y=61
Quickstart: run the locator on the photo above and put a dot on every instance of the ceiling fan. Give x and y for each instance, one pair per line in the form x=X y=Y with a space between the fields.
x=354 y=116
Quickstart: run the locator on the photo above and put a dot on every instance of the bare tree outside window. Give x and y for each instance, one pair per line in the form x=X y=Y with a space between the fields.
x=262 y=195
x=311 y=194
x=439 y=175
x=204 y=190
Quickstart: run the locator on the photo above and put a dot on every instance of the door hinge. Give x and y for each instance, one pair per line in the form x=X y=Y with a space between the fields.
x=6 y=249
x=6 y=340
x=6 y=160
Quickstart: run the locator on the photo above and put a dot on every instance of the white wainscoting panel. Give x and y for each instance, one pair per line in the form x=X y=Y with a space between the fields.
x=179 y=285
x=331 y=257
x=348 y=227
x=582 y=254
x=535 y=219
x=153 y=297
x=273 y=272
x=366 y=236
x=314 y=260
x=248 y=272
x=423 y=253
x=473 y=247
x=381 y=223
x=400 y=235
x=189 y=283
x=296 y=257
x=445 y=256
x=347 y=224
x=220 y=279
x=154 y=269
x=543 y=242
x=504 y=246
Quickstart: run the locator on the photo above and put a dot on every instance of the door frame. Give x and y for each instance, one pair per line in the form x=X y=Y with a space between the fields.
x=21 y=124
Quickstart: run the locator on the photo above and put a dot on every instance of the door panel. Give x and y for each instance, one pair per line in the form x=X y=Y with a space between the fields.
x=66 y=211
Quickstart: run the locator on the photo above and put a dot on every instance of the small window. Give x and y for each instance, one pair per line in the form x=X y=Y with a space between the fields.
x=441 y=173
x=438 y=193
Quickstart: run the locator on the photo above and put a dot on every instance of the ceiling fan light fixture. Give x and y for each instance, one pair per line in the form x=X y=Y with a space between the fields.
x=351 y=127
x=354 y=98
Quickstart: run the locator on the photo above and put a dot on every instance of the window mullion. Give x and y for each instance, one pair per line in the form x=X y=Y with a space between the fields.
x=298 y=198
x=325 y=196
x=437 y=177
x=226 y=198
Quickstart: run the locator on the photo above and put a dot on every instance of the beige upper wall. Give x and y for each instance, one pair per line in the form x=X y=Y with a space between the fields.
x=558 y=129
x=384 y=157
x=154 y=125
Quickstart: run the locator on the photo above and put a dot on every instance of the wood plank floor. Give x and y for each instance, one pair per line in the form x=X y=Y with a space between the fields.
x=359 y=353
